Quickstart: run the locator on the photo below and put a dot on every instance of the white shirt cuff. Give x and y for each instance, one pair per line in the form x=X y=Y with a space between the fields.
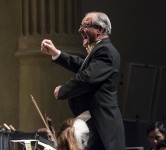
x=85 y=116
x=56 y=57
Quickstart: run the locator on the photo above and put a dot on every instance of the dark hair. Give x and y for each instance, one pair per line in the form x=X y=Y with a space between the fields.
x=156 y=125
x=161 y=144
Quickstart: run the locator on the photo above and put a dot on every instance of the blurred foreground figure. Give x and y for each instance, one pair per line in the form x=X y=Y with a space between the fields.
x=156 y=133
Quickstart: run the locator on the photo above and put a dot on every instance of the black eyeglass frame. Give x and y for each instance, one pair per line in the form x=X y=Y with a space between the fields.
x=82 y=27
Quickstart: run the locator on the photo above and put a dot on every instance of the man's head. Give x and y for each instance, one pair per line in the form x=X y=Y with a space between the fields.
x=94 y=27
x=156 y=133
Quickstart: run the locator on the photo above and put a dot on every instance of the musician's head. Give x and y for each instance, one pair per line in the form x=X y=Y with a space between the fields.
x=73 y=135
x=156 y=132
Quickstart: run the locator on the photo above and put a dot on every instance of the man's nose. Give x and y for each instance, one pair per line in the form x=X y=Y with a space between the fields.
x=80 y=30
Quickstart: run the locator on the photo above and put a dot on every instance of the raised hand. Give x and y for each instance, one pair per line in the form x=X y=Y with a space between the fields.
x=47 y=47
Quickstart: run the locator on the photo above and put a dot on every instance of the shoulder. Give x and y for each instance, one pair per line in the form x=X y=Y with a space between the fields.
x=107 y=48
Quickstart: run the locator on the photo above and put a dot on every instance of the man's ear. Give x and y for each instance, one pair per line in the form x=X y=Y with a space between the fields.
x=100 y=30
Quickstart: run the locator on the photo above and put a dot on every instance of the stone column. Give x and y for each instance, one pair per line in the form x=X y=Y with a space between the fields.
x=57 y=20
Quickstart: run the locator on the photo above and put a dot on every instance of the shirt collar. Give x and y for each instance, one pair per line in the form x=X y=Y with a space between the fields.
x=90 y=47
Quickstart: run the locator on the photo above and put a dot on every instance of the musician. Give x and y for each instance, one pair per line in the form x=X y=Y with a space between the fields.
x=92 y=92
x=49 y=132
x=73 y=134
x=156 y=132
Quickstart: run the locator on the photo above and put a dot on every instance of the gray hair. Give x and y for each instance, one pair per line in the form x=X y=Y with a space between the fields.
x=103 y=21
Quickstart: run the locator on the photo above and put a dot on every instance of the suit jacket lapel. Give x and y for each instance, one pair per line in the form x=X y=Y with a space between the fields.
x=86 y=60
x=99 y=45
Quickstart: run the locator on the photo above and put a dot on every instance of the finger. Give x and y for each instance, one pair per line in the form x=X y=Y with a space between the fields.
x=43 y=46
x=44 y=50
x=56 y=93
x=47 y=42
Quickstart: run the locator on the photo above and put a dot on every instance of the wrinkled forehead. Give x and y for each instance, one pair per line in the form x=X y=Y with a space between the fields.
x=89 y=18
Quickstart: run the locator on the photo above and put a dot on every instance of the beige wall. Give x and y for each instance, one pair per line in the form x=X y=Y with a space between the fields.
x=24 y=70
x=38 y=75
x=9 y=67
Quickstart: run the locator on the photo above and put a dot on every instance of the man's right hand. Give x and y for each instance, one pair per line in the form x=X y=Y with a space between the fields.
x=47 y=47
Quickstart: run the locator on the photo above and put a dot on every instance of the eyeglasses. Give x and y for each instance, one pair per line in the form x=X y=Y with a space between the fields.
x=82 y=27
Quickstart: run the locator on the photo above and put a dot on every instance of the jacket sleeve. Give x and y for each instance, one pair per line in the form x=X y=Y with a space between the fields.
x=70 y=62
x=100 y=67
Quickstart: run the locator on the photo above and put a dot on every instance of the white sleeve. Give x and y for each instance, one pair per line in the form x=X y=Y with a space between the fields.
x=55 y=57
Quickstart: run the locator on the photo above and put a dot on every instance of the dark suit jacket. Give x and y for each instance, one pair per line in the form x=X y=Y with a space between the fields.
x=94 y=88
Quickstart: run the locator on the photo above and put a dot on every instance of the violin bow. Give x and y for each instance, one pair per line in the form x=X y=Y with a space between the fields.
x=52 y=136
